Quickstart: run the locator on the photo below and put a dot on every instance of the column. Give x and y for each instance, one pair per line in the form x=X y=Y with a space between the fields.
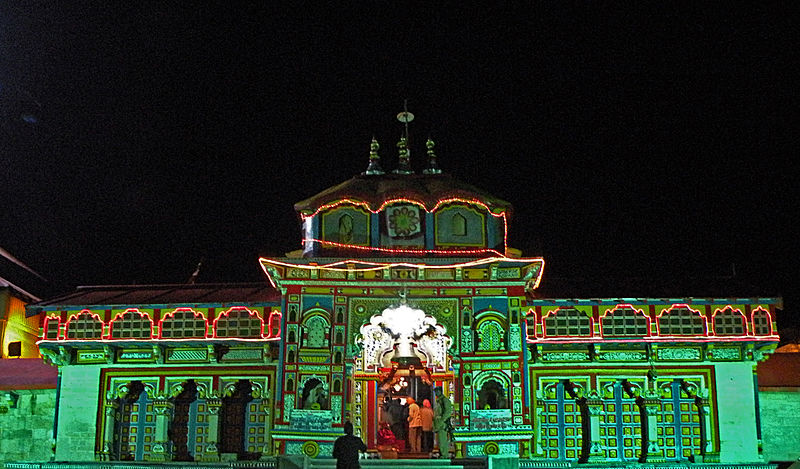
x=161 y=449
x=651 y=404
x=109 y=423
x=211 y=451
x=266 y=451
x=595 y=411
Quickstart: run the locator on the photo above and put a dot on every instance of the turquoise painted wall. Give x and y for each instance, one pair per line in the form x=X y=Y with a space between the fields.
x=737 y=416
x=77 y=419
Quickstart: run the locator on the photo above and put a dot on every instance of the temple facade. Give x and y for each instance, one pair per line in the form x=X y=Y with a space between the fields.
x=405 y=283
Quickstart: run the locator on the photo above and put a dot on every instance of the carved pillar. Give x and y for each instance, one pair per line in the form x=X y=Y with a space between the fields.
x=651 y=404
x=266 y=406
x=109 y=423
x=537 y=423
x=211 y=452
x=595 y=411
x=161 y=447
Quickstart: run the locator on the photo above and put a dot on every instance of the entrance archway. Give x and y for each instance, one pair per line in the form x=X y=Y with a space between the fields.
x=405 y=353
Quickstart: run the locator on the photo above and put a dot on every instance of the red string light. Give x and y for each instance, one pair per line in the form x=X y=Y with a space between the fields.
x=402 y=250
x=439 y=203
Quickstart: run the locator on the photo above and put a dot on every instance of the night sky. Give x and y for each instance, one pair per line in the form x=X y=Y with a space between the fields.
x=655 y=142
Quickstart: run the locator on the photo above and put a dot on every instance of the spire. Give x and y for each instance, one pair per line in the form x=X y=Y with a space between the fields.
x=374 y=159
x=432 y=168
x=404 y=156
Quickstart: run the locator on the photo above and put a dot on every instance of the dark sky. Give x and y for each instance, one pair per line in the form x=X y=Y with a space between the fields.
x=136 y=139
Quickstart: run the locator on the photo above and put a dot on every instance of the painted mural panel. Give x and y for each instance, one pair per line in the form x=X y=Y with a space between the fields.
x=346 y=225
x=460 y=226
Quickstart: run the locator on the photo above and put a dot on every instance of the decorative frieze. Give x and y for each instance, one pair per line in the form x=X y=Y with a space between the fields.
x=565 y=356
x=678 y=353
x=622 y=356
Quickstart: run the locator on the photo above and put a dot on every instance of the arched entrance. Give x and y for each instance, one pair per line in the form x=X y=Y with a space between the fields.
x=404 y=354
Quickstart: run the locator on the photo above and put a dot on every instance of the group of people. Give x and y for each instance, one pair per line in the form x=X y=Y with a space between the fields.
x=422 y=422
x=413 y=426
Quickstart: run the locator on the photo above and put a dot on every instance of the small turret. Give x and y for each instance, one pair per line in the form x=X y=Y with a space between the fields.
x=432 y=168
x=374 y=167
x=404 y=156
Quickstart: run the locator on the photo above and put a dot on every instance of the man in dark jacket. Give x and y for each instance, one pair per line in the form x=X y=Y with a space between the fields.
x=346 y=449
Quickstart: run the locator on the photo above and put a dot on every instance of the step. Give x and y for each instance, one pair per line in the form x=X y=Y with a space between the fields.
x=330 y=463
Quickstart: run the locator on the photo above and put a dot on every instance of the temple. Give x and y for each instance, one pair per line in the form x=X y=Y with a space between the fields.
x=405 y=283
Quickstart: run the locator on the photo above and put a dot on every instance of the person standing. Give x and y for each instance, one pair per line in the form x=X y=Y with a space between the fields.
x=414 y=425
x=426 y=415
x=395 y=410
x=346 y=448
x=441 y=422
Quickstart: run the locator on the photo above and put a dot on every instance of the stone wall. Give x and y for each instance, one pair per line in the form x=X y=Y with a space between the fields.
x=780 y=426
x=26 y=427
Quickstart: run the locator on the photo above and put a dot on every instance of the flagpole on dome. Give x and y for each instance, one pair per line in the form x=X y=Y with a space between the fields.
x=404 y=152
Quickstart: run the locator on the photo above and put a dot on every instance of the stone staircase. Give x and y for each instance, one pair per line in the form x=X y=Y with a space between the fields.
x=330 y=463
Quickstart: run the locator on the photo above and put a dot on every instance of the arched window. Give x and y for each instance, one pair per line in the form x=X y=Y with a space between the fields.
x=625 y=321
x=492 y=395
x=314 y=395
x=762 y=322
x=567 y=322
x=85 y=325
x=186 y=409
x=729 y=321
x=490 y=336
x=346 y=229
x=234 y=420
x=316 y=332
x=459 y=225
x=681 y=320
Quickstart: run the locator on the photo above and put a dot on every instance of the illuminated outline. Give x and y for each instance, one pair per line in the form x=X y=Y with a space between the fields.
x=565 y=308
x=76 y=317
x=681 y=306
x=226 y=314
x=365 y=205
x=171 y=315
x=753 y=322
x=119 y=317
x=728 y=309
x=625 y=306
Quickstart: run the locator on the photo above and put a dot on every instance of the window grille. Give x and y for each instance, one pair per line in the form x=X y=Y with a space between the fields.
x=132 y=324
x=729 y=322
x=681 y=321
x=567 y=322
x=624 y=322
x=85 y=326
x=183 y=323
x=762 y=322
x=239 y=323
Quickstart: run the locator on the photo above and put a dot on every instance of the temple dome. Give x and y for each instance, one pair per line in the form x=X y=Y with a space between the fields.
x=375 y=191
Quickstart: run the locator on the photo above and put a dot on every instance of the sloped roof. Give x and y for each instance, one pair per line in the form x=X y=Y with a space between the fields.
x=375 y=190
x=641 y=287
x=780 y=370
x=27 y=373
x=166 y=294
